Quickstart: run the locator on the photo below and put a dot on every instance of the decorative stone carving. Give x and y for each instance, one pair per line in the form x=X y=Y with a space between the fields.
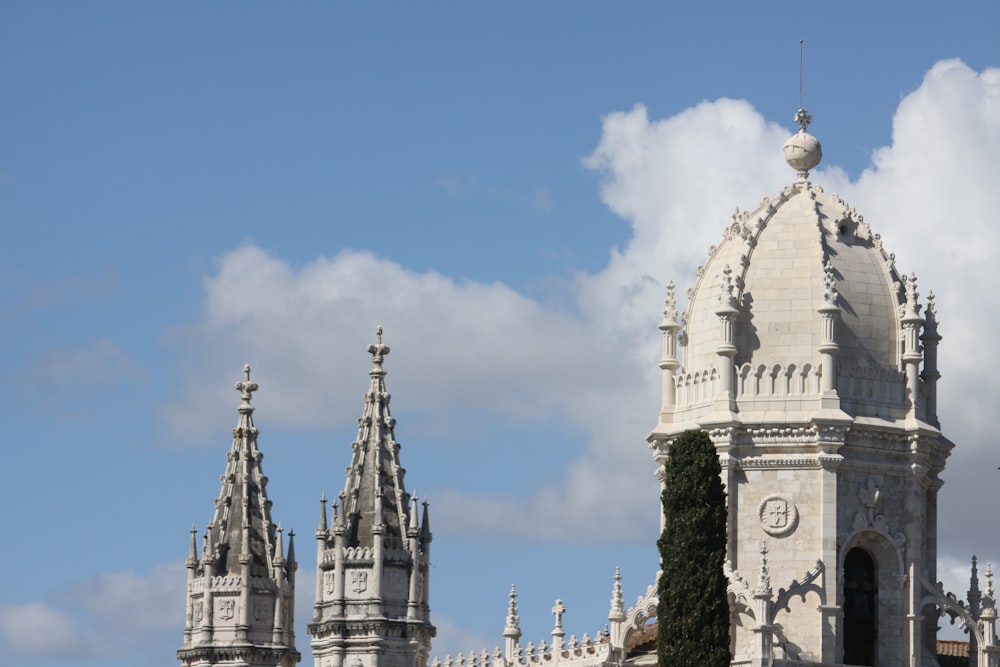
x=359 y=581
x=227 y=609
x=778 y=515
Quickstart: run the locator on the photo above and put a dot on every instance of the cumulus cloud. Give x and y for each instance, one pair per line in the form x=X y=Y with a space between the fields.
x=105 y=617
x=39 y=630
x=932 y=195
x=485 y=350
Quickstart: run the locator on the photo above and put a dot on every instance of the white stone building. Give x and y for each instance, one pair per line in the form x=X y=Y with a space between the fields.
x=809 y=359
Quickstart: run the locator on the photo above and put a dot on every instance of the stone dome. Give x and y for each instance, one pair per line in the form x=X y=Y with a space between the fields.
x=777 y=257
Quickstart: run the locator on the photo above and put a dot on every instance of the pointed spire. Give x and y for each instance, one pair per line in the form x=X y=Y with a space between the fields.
x=241 y=531
x=617 y=612
x=413 y=528
x=279 y=552
x=374 y=499
x=974 y=596
x=290 y=562
x=513 y=626
x=192 y=559
x=763 y=587
x=240 y=550
x=425 y=523
x=323 y=528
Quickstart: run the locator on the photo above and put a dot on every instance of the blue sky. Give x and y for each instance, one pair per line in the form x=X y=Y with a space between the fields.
x=188 y=187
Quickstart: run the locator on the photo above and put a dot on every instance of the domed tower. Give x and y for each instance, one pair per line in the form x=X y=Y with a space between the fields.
x=811 y=362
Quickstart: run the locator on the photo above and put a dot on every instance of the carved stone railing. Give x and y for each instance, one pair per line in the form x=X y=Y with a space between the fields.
x=777 y=380
x=581 y=653
x=697 y=387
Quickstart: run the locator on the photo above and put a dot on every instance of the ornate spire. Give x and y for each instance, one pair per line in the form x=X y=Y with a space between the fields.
x=513 y=626
x=374 y=497
x=241 y=529
x=617 y=612
x=763 y=587
x=243 y=576
x=974 y=596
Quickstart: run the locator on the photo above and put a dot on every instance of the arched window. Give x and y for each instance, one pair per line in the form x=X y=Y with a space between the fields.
x=860 y=608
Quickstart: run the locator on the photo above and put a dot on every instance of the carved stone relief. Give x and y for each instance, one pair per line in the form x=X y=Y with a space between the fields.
x=778 y=515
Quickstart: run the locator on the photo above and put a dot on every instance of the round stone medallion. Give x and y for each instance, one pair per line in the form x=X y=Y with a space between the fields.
x=778 y=515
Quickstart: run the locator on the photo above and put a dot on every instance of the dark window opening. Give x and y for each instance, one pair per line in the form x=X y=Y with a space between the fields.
x=860 y=608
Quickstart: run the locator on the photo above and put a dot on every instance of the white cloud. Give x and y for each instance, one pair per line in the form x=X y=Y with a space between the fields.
x=106 y=617
x=39 y=630
x=468 y=348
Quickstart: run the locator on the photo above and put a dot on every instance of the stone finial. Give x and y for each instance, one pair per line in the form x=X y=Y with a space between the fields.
x=617 y=612
x=322 y=529
x=764 y=577
x=513 y=626
x=727 y=293
x=989 y=582
x=247 y=388
x=829 y=285
x=670 y=305
x=377 y=349
x=930 y=315
x=803 y=151
x=192 y=559
x=912 y=307
x=803 y=119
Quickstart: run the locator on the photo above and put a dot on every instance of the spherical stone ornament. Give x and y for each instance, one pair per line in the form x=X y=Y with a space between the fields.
x=803 y=151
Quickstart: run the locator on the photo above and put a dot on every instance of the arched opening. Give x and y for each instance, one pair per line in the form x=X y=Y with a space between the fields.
x=860 y=608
